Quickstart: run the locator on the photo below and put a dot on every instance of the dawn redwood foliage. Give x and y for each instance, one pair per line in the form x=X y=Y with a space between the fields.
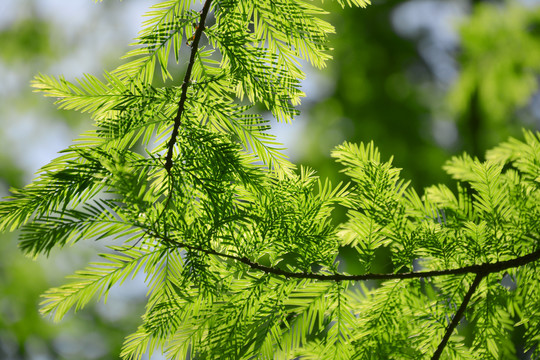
x=240 y=249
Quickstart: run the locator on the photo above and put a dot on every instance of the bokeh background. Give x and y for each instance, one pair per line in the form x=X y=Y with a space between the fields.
x=423 y=79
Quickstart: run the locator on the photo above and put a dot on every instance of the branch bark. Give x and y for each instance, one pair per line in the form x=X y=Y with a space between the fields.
x=479 y=269
x=457 y=317
x=185 y=85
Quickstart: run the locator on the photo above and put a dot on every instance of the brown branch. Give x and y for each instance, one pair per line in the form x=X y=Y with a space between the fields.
x=480 y=269
x=185 y=84
x=457 y=316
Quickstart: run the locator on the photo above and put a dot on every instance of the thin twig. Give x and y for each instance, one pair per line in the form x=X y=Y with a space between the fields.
x=185 y=85
x=457 y=316
x=483 y=269
x=181 y=105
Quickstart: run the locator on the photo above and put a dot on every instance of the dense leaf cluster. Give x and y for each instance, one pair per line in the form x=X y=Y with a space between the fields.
x=239 y=249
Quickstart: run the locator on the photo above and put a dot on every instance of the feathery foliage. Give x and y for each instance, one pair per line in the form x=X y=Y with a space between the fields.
x=241 y=251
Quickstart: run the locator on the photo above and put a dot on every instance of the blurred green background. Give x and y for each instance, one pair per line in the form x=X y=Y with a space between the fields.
x=423 y=79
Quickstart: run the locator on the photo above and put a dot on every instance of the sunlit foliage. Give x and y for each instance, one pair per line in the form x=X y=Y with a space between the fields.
x=240 y=248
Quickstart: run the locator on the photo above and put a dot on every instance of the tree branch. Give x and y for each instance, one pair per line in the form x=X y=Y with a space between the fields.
x=185 y=84
x=480 y=269
x=457 y=317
